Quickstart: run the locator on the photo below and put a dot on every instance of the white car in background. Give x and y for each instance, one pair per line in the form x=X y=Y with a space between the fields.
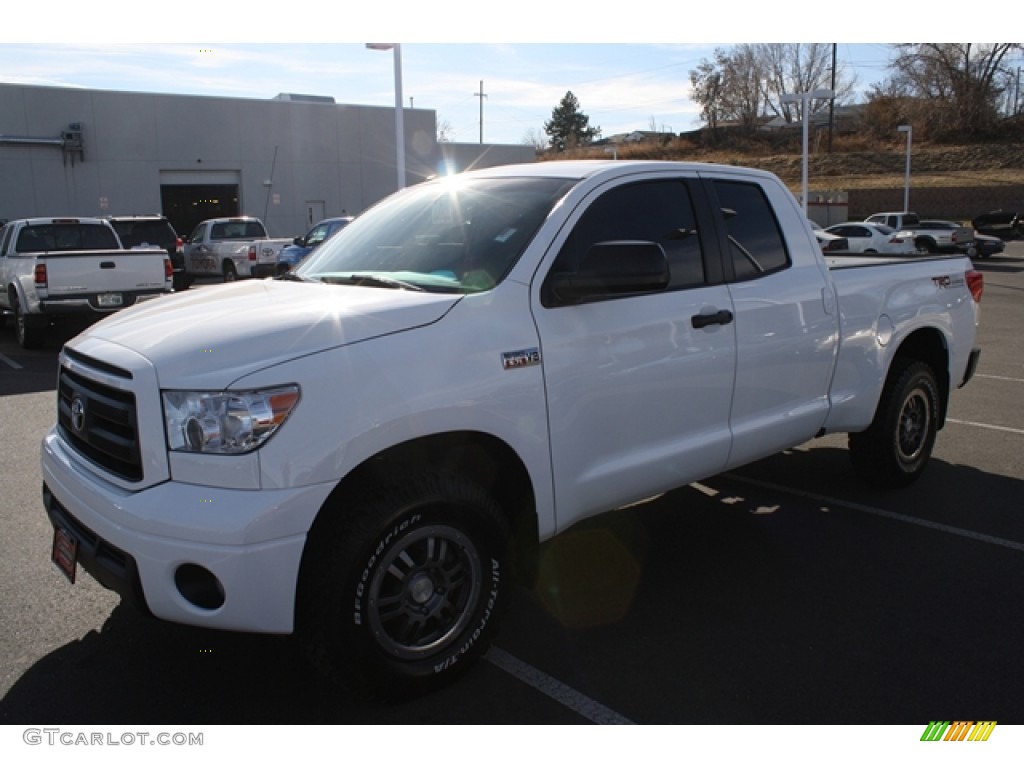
x=865 y=237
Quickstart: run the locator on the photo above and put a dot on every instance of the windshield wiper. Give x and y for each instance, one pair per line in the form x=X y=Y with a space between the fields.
x=295 y=277
x=379 y=281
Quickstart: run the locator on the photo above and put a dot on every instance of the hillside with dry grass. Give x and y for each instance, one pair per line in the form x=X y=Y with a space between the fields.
x=980 y=165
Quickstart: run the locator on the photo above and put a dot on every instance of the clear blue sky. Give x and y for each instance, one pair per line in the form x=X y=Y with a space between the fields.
x=631 y=82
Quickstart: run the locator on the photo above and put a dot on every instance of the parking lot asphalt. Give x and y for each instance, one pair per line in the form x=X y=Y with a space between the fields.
x=785 y=592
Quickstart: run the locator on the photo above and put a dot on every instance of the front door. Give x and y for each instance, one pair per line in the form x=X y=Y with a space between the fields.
x=638 y=397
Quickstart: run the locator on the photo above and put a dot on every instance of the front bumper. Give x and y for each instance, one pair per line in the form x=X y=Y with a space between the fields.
x=149 y=545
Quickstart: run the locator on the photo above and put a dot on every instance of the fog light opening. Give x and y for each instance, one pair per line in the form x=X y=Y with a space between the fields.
x=199 y=586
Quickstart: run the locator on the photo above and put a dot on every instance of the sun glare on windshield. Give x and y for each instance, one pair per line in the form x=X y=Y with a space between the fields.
x=454 y=234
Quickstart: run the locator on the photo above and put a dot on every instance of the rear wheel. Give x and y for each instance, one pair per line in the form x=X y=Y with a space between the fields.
x=230 y=273
x=29 y=336
x=402 y=590
x=895 y=449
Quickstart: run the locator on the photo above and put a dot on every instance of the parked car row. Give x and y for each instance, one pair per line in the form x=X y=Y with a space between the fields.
x=905 y=233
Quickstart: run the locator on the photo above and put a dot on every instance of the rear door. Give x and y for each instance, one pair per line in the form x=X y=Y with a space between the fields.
x=786 y=327
x=638 y=386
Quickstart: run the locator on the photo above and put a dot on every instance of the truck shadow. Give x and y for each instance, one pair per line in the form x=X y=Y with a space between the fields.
x=729 y=601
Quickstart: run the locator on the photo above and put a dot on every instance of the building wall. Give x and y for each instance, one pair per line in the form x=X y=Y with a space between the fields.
x=337 y=157
x=465 y=157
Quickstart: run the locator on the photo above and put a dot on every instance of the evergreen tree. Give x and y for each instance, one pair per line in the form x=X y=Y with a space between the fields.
x=568 y=126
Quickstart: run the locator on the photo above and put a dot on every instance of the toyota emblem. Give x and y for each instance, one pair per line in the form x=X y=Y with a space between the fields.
x=78 y=414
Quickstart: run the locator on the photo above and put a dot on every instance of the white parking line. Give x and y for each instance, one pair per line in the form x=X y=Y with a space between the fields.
x=996 y=427
x=5 y=359
x=560 y=692
x=833 y=502
x=998 y=378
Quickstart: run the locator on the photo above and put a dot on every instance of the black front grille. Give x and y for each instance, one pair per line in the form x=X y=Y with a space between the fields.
x=101 y=423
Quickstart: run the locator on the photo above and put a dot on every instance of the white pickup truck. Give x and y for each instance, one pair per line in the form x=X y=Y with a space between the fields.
x=365 y=450
x=231 y=248
x=931 y=236
x=51 y=268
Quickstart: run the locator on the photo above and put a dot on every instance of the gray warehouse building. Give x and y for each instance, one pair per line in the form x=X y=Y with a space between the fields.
x=290 y=160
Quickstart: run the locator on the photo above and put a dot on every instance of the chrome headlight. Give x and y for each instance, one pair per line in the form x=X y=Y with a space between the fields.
x=225 y=422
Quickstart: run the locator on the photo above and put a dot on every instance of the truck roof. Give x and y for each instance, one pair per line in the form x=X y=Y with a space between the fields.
x=581 y=169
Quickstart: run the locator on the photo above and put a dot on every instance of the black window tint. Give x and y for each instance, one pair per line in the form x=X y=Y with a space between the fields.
x=67 y=237
x=151 y=232
x=755 y=242
x=656 y=211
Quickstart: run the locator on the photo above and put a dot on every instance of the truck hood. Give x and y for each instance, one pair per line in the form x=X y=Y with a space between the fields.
x=211 y=336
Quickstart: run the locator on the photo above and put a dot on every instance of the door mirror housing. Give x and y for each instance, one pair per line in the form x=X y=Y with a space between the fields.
x=614 y=268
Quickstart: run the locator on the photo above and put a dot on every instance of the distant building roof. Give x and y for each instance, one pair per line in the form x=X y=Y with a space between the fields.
x=304 y=97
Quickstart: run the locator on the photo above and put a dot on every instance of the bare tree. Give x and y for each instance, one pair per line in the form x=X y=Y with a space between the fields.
x=801 y=68
x=729 y=88
x=706 y=83
x=953 y=90
x=536 y=138
x=747 y=81
x=445 y=132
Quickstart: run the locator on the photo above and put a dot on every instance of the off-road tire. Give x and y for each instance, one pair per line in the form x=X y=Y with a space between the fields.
x=894 y=450
x=402 y=589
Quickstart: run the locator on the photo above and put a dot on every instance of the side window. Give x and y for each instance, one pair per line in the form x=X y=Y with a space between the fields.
x=654 y=211
x=317 y=236
x=756 y=246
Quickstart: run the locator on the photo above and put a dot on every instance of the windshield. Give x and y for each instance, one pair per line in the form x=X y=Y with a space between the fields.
x=451 y=236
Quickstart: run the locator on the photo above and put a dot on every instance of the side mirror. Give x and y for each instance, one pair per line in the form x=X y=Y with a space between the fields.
x=612 y=269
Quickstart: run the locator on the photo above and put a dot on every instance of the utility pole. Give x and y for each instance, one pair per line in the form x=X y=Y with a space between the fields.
x=482 y=96
x=832 y=102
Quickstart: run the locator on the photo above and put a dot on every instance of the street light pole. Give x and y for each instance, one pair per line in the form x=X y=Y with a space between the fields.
x=399 y=112
x=804 y=99
x=909 y=130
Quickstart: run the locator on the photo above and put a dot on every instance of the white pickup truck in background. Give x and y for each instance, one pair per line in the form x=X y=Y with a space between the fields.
x=933 y=236
x=231 y=248
x=365 y=450
x=54 y=267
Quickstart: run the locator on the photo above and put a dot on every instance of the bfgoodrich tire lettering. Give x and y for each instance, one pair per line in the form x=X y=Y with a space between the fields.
x=895 y=449
x=405 y=588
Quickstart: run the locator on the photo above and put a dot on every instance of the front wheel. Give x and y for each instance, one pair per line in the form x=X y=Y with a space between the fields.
x=895 y=449
x=402 y=590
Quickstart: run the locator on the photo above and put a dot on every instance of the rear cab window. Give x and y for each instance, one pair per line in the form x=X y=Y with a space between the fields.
x=756 y=244
x=70 y=236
